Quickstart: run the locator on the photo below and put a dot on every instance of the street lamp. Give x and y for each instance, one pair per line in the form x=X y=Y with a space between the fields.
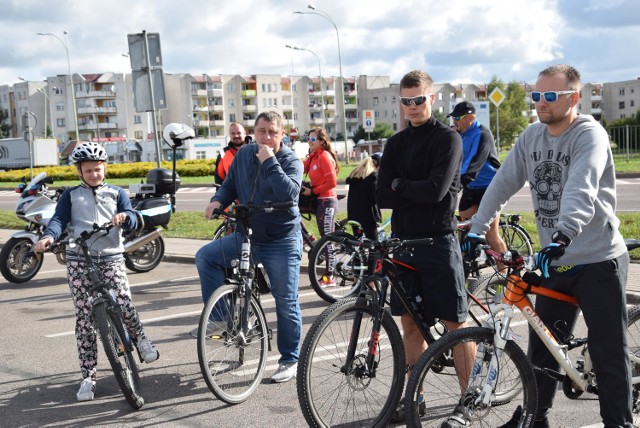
x=73 y=91
x=324 y=119
x=326 y=16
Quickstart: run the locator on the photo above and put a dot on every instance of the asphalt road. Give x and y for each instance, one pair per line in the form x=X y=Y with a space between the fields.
x=39 y=376
x=196 y=198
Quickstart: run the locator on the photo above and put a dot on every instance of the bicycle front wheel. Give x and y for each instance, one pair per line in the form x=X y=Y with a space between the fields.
x=119 y=353
x=334 y=391
x=232 y=358
x=516 y=239
x=441 y=384
x=345 y=262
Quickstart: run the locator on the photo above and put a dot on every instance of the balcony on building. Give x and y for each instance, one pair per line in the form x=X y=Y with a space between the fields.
x=249 y=108
x=248 y=93
x=96 y=110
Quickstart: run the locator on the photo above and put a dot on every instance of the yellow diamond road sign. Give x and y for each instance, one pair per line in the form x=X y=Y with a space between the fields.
x=496 y=96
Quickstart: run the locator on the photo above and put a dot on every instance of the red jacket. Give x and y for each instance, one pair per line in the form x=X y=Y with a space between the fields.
x=321 y=168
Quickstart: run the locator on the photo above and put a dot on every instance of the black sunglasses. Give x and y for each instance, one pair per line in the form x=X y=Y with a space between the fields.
x=419 y=100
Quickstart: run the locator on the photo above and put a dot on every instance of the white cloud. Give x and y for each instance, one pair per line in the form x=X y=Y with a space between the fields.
x=455 y=41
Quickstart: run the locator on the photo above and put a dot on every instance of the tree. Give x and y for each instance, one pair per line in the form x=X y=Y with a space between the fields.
x=512 y=117
x=381 y=130
x=5 y=128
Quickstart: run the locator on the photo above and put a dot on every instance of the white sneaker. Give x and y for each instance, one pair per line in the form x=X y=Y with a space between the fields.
x=87 y=390
x=148 y=352
x=285 y=372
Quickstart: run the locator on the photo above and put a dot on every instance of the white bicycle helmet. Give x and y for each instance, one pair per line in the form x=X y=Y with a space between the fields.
x=175 y=134
x=89 y=152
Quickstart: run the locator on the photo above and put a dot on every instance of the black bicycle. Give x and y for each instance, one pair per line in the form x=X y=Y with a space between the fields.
x=109 y=321
x=233 y=335
x=352 y=362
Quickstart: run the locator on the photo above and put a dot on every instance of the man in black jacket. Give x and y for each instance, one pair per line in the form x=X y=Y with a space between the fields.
x=419 y=178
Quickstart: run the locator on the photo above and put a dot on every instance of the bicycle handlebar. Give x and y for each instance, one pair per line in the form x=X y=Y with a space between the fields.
x=84 y=236
x=241 y=211
x=512 y=259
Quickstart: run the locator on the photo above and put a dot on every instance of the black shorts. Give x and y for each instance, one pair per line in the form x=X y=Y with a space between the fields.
x=470 y=197
x=439 y=281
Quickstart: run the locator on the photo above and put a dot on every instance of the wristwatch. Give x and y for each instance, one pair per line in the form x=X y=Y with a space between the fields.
x=395 y=183
x=560 y=238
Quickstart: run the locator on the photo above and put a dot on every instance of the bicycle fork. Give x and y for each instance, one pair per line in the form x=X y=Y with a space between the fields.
x=364 y=367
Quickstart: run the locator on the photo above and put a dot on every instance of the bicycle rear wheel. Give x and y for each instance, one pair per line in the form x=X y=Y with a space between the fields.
x=441 y=386
x=232 y=359
x=347 y=264
x=119 y=353
x=333 y=391
x=516 y=239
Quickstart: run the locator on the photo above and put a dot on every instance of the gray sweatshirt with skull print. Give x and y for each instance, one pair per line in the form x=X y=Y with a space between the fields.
x=573 y=188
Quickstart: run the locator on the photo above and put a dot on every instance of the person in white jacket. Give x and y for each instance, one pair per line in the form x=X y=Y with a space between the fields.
x=567 y=161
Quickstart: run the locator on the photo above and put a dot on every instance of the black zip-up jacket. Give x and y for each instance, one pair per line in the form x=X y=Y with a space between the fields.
x=427 y=160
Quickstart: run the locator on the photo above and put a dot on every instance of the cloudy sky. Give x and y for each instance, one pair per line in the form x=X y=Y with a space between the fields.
x=456 y=41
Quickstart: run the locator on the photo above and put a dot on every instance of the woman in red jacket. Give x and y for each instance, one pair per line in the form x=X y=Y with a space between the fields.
x=321 y=166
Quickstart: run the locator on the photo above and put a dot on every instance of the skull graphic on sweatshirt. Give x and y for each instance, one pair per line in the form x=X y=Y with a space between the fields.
x=548 y=185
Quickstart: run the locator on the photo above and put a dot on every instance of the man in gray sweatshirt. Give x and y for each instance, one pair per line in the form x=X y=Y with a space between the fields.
x=568 y=163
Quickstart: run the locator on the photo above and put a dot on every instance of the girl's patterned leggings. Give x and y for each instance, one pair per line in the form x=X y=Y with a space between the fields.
x=112 y=272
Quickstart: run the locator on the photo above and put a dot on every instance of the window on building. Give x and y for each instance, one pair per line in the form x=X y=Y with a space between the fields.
x=137 y=119
x=275 y=102
x=264 y=102
x=621 y=105
x=60 y=123
x=621 y=91
x=376 y=114
x=232 y=102
x=294 y=87
x=395 y=126
x=232 y=117
x=295 y=116
x=230 y=87
x=201 y=155
x=57 y=90
x=59 y=106
x=632 y=103
x=440 y=96
x=375 y=101
x=393 y=99
x=137 y=135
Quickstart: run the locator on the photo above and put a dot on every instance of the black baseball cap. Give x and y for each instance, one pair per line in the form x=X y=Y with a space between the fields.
x=465 y=107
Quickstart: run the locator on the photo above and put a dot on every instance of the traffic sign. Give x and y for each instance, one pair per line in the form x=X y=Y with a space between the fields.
x=293 y=133
x=496 y=96
x=368 y=120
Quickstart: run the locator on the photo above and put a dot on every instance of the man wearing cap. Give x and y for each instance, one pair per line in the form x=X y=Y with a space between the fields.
x=479 y=165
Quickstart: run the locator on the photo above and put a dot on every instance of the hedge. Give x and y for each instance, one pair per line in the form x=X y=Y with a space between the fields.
x=184 y=168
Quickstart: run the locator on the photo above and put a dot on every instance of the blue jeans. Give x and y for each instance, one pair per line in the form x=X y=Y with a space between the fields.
x=281 y=259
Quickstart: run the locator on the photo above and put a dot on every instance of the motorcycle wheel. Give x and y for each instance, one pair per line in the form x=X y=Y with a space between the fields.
x=145 y=258
x=16 y=265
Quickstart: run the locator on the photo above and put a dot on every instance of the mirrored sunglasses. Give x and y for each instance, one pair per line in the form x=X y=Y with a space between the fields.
x=312 y=139
x=549 y=96
x=421 y=99
x=459 y=117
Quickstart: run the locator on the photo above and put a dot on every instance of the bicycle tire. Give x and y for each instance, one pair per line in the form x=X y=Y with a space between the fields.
x=349 y=265
x=330 y=397
x=516 y=239
x=441 y=389
x=633 y=342
x=120 y=356
x=232 y=367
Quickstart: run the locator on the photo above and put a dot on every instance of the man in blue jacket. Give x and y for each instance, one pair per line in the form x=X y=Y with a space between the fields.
x=479 y=165
x=261 y=172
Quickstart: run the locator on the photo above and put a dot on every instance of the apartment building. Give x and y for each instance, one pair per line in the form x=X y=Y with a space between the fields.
x=620 y=99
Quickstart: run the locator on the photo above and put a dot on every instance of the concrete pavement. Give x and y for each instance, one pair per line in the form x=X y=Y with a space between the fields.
x=183 y=250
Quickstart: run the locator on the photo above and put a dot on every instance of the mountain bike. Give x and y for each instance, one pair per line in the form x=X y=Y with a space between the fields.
x=502 y=377
x=348 y=262
x=233 y=335
x=352 y=362
x=108 y=319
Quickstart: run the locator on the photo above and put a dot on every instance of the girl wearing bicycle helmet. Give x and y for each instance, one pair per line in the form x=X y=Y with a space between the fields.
x=78 y=209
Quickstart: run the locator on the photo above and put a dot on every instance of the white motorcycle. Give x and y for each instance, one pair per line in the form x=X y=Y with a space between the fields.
x=144 y=247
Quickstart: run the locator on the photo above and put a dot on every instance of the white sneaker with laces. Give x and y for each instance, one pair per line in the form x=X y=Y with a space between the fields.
x=87 y=390
x=285 y=372
x=148 y=352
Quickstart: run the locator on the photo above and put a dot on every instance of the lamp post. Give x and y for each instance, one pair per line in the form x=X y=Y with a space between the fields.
x=324 y=119
x=326 y=16
x=43 y=91
x=73 y=91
